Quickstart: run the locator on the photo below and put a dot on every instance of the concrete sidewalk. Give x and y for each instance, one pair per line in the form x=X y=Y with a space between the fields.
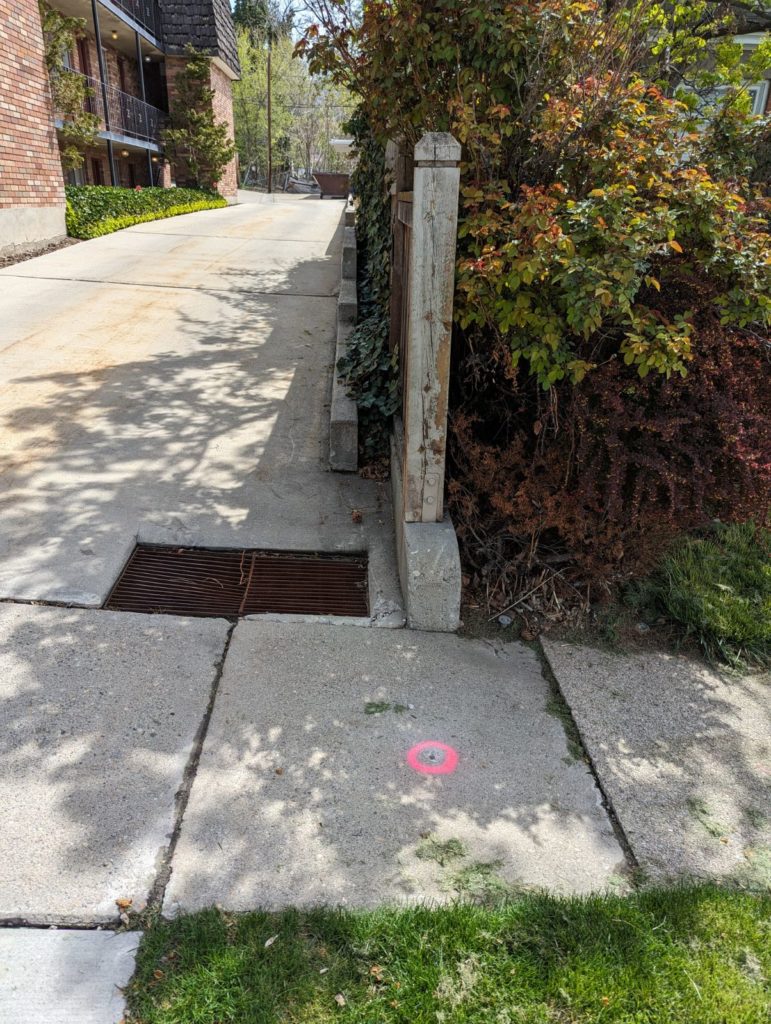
x=64 y=977
x=171 y=383
x=168 y=383
x=684 y=756
x=100 y=713
x=305 y=792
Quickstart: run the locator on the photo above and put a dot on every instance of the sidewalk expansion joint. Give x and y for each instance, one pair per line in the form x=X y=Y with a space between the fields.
x=158 y=889
x=570 y=726
x=64 y=925
x=178 y=287
x=42 y=603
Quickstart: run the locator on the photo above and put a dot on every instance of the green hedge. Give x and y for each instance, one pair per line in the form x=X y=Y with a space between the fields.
x=94 y=210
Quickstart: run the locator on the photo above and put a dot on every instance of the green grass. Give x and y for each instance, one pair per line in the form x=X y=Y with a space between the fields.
x=379 y=707
x=718 y=589
x=94 y=210
x=683 y=956
x=442 y=851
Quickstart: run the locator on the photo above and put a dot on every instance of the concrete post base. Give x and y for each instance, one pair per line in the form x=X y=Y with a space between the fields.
x=429 y=561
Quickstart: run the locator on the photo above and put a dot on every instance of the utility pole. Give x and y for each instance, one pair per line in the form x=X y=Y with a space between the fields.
x=270 y=118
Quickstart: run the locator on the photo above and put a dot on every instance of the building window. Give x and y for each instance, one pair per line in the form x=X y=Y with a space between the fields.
x=76 y=176
x=96 y=171
x=757 y=92
x=83 y=58
x=759 y=96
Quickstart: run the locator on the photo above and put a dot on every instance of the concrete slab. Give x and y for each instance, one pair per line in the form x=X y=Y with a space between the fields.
x=63 y=977
x=172 y=382
x=344 y=411
x=285 y=218
x=347 y=305
x=304 y=795
x=349 y=254
x=684 y=755
x=98 y=717
x=343 y=415
x=211 y=262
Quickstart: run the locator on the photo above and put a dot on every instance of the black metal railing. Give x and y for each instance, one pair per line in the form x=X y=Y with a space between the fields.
x=145 y=12
x=126 y=114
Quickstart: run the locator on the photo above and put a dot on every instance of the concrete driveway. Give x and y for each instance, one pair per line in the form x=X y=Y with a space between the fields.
x=170 y=383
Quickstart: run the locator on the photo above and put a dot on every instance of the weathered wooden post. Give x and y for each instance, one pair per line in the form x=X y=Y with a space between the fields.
x=429 y=327
x=421 y=319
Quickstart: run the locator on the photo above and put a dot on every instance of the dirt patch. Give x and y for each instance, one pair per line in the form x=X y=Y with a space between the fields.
x=617 y=628
x=21 y=257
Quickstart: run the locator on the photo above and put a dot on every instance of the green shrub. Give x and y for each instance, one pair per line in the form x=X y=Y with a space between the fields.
x=368 y=366
x=94 y=210
x=718 y=587
x=613 y=288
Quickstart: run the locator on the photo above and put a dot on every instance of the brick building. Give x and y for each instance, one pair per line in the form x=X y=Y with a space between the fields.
x=130 y=55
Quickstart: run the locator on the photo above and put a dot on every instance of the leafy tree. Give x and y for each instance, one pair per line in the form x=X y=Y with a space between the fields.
x=307 y=110
x=319 y=109
x=264 y=19
x=198 y=144
x=250 y=102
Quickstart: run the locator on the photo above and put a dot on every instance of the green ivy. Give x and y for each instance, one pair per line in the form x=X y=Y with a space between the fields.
x=369 y=368
x=94 y=210
x=69 y=90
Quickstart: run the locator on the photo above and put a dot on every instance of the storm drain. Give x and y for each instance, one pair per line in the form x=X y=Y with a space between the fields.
x=228 y=583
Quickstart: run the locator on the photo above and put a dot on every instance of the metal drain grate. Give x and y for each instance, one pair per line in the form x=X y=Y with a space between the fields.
x=227 y=583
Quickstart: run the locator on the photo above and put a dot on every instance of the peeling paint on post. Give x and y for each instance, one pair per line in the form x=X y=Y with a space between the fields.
x=431 y=285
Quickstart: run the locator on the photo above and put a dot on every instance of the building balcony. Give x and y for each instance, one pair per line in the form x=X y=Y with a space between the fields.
x=140 y=15
x=127 y=116
x=146 y=13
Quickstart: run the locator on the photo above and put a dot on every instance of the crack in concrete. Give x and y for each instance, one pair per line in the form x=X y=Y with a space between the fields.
x=165 y=855
x=633 y=864
x=158 y=889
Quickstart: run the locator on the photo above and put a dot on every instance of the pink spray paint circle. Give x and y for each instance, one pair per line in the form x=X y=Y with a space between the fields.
x=433 y=758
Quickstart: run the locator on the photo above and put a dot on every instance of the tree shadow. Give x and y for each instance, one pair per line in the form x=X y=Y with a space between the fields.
x=183 y=415
x=304 y=794
x=684 y=754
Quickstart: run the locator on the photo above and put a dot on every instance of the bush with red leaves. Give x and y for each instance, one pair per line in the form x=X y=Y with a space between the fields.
x=595 y=479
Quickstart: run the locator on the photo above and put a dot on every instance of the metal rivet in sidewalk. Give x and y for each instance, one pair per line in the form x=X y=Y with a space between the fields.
x=433 y=758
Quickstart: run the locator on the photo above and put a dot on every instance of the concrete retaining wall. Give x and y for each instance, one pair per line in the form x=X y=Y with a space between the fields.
x=28 y=228
x=344 y=416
